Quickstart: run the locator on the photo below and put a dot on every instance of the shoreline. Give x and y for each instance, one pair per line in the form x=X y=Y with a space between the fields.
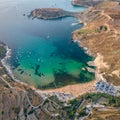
x=99 y=42
x=75 y=90
x=7 y=67
x=4 y=61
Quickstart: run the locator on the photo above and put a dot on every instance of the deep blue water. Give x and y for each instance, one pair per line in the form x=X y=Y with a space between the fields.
x=42 y=52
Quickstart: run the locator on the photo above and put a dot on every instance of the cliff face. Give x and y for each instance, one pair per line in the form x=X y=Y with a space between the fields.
x=100 y=35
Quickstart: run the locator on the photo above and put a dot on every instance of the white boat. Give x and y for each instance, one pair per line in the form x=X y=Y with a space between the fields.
x=74 y=24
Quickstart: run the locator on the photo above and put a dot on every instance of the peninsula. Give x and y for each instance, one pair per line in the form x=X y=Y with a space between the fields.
x=51 y=13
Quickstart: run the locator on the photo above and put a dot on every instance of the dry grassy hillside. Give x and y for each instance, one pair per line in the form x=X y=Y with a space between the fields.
x=101 y=35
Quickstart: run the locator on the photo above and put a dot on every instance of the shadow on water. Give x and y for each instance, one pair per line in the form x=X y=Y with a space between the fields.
x=63 y=79
x=66 y=49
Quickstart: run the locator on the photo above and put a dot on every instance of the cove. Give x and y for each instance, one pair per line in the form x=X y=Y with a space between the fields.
x=43 y=54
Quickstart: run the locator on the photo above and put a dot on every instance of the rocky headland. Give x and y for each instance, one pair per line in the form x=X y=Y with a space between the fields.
x=51 y=13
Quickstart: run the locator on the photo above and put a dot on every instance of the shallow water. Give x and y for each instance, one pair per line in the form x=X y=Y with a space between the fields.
x=42 y=52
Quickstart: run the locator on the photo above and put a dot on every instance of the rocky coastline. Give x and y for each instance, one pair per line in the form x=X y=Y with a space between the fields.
x=86 y=3
x=51 y=13
x=22 y=101
x=98 y=37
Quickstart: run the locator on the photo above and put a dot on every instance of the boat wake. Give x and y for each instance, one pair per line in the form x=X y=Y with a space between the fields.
x=73 y=24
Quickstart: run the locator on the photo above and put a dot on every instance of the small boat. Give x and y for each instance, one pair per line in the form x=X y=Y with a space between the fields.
x=74 y=24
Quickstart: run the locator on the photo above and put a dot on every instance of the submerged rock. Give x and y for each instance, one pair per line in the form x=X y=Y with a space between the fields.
x=37 y=69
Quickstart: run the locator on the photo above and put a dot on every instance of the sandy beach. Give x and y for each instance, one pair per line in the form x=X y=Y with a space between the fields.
x=75 y=90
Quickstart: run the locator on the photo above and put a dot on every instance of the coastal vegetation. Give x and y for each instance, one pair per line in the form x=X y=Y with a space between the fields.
x=78 y=106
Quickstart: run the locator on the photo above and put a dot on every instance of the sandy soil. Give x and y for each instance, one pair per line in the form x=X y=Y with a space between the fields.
x=75 y=90
x=117 y=73
x=100 y=63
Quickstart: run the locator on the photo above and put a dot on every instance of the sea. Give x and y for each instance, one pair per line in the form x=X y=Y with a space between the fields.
x=42 y=52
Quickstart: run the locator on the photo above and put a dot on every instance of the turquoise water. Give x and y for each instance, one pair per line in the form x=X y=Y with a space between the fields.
x=42 y=52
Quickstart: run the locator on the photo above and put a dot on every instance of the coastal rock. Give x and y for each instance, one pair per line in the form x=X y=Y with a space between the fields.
x=91 y=70
x=86 y=2
x=51 y=13
x=22 y=102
